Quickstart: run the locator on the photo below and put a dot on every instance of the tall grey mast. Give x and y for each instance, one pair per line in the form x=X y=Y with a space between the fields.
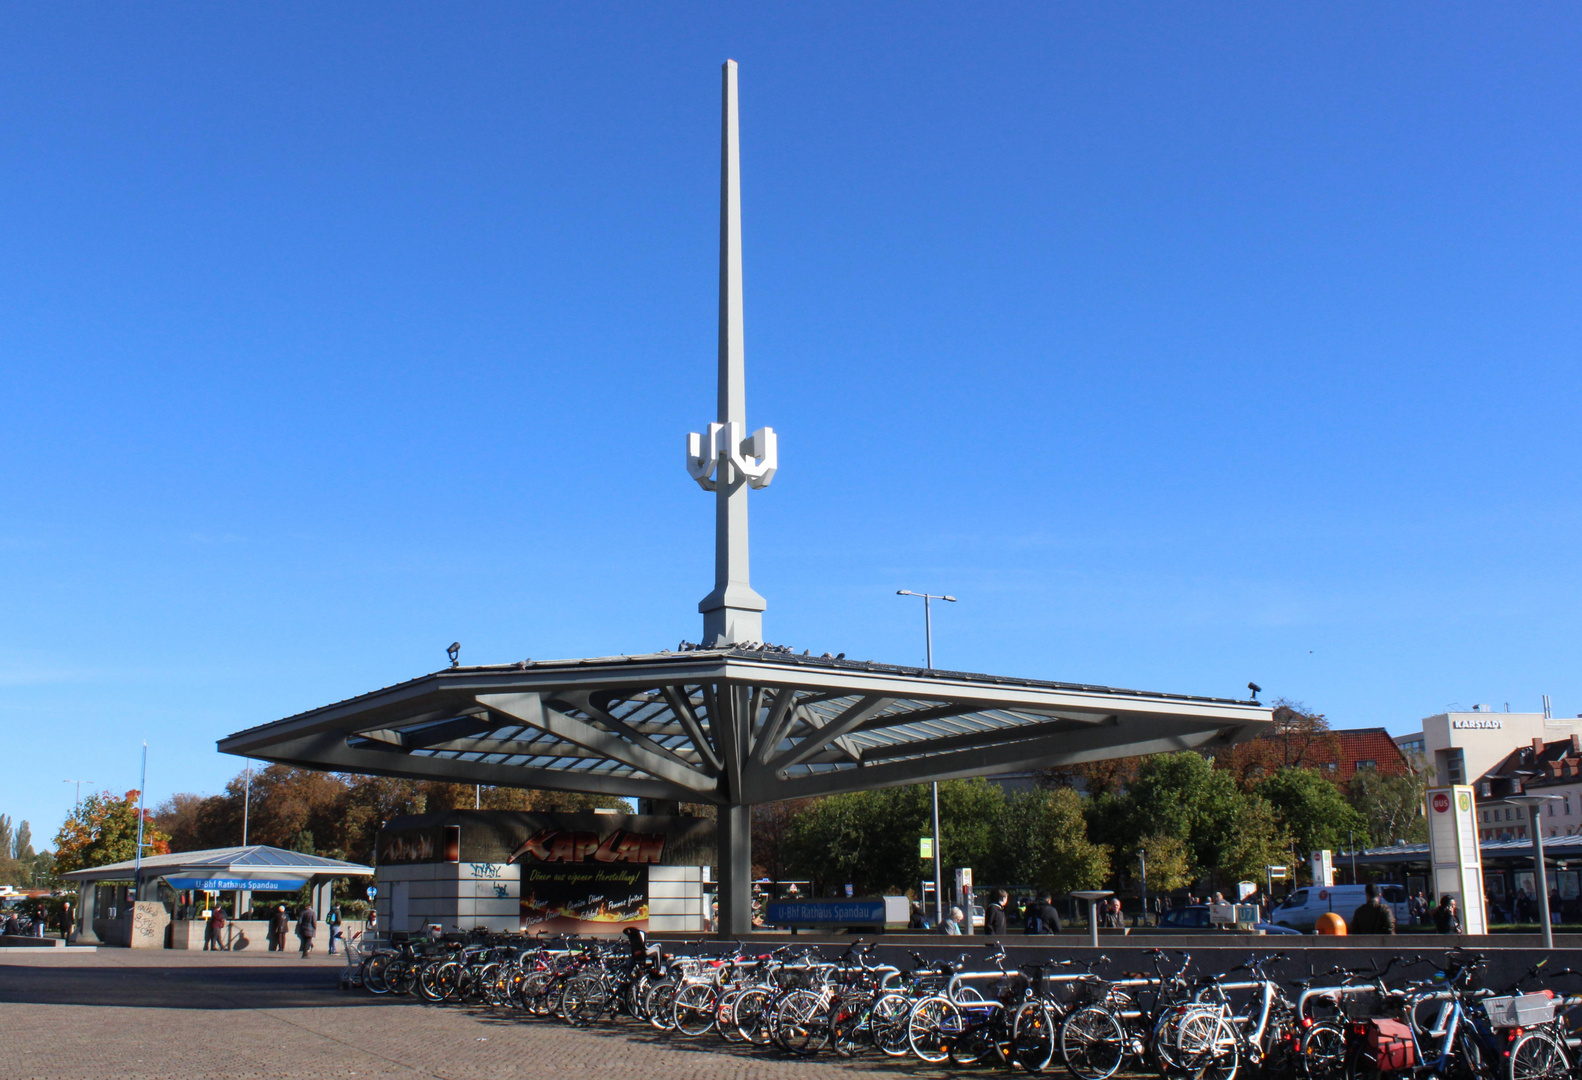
x=723 y=461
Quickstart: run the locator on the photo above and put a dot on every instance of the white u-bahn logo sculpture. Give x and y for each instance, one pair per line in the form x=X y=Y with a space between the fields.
x=755 y=456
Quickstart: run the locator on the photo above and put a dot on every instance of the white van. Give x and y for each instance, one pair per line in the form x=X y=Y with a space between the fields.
x=1303 y=907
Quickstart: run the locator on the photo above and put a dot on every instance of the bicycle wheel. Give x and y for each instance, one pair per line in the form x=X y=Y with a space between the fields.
x=933 y=1023
x=373 y=974
x=427 y=982
x=725 y=1015
x=847 y=1024
x=801 y=1022
x=661 y=996
x=584 y=999
x=749 y=1019
x=401 y=977
x=692 y=1010
x=1093 y=1043
x=1032 y=1036
x=1323 y=1052
x=1208 y=1046
x=1537 y=1056
x=887 y=1023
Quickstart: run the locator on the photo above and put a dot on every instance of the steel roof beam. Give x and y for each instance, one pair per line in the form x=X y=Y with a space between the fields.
x=531 y=710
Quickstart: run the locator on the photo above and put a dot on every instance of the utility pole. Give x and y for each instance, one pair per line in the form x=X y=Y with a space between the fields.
x=137 y=858
x=928 y=653
x=247 y=799
x=79 y=784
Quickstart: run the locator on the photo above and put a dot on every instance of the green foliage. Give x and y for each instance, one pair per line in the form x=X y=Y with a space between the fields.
x=1169 y=867
x=1224 y=832
x=1390 y=807
x=1314 y=811
x=869 y=839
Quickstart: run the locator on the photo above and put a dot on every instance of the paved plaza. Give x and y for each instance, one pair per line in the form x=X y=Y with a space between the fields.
x=124 y=1013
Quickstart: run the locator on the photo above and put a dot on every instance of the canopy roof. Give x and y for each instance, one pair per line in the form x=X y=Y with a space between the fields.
x=733 y=725
x=254 y=861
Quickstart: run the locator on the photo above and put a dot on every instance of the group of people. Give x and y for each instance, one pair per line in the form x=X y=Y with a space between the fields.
x=307 y=925
x=1001 y=913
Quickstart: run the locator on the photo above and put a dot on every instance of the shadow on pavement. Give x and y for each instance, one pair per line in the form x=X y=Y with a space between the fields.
x=183 y=987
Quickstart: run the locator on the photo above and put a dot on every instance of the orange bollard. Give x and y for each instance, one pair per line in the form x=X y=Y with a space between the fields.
x=1330 y=923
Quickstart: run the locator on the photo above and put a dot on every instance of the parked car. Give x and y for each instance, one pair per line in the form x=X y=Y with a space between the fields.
x=1195 y=917
x=1303 y=907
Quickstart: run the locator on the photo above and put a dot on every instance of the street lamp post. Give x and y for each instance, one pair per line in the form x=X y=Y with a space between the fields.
x=928 y=653
x=79 y=784
x=1533 y=803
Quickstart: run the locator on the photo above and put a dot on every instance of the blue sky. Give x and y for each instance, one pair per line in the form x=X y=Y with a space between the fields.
x=1187 y=345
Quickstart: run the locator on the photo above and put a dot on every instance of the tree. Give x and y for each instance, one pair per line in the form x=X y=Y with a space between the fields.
x=1169 y=867
x=1093 y=778
x=24 y=843
x=1390 y=807
x=104 y=830
x=1183 y=797
x=1314 y=812
x=1041 y=839
x=1296 y=739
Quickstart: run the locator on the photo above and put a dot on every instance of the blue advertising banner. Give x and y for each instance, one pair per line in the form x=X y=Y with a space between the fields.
x=838 y=912
x=226 y=884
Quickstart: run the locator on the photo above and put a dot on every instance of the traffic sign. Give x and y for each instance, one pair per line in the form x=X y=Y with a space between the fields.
x=373 y=891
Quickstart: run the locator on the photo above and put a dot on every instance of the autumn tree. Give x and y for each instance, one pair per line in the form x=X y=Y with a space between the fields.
x=1297 y=739
x=104 y=830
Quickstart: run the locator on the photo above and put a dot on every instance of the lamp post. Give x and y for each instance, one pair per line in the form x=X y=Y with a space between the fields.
x=928 y=653
x=247 y=799
x=79 y=784
x=1533 y=802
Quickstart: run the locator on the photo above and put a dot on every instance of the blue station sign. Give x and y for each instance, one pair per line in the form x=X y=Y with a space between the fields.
x=862 y=911
x=228 y=884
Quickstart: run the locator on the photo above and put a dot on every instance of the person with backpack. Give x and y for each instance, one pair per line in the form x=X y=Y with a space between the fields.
x=1042 y=918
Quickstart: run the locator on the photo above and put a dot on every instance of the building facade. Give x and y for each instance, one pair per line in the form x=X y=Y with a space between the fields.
x=1461 y=747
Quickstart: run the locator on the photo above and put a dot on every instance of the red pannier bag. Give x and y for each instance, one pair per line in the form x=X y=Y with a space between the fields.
x=1390 y=1044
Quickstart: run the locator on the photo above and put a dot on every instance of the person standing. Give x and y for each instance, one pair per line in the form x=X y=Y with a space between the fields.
x=1445 y=919
x=214 y=932
x=1374 y=916
x=307 y=925
x=279 y=923
x=994 y=914
x=953 y=922
x=68 y=925
x=333 y=921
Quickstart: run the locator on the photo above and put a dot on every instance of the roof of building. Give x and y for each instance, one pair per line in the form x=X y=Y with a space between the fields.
x=733 y=726
x=238 y=862
x=1558 y=762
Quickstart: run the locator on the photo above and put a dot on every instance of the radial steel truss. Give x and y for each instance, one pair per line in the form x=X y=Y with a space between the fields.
x=735 y=725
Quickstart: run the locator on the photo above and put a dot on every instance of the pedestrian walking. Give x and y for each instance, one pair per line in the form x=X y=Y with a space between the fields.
x=1374 y=916
x=333 y=921
x=1445 y=918
x=68 y=926
x=994 y=914
x=307 y=925
x=214 y=933
x=953 y=922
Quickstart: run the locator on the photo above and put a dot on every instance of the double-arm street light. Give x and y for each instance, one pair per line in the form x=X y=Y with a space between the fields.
x=939 y=873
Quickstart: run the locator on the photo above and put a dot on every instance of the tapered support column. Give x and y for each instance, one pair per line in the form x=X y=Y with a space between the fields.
x=733 y=612
x=735 y=840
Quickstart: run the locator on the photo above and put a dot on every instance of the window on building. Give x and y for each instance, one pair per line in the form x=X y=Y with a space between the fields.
x=1456 y=765
x=1368 y=763
x=1567 y=799
x=1331 y=766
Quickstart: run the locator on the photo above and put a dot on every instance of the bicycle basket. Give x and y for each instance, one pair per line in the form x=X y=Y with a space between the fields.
x=1521 y=1011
